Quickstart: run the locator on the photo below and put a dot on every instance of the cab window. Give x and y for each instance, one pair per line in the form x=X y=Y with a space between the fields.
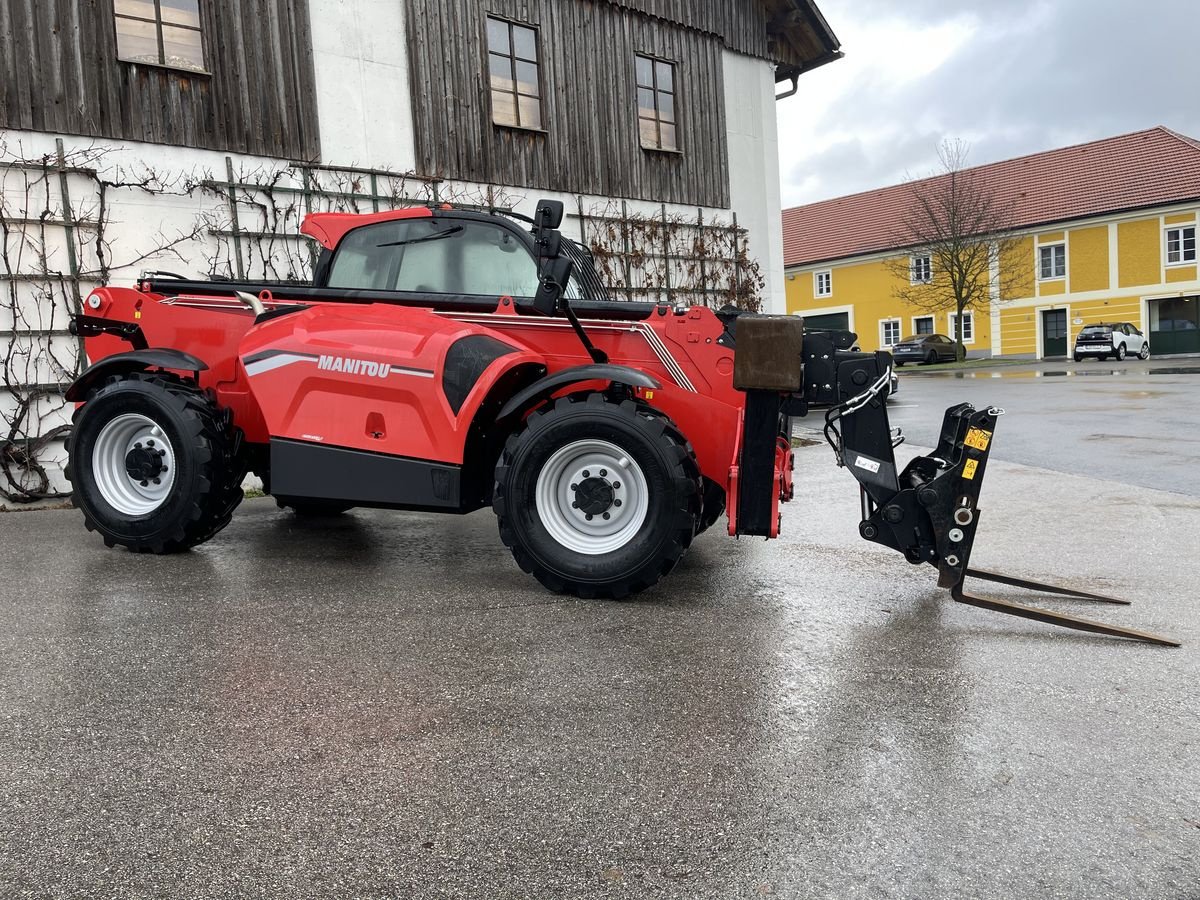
x=435 y=256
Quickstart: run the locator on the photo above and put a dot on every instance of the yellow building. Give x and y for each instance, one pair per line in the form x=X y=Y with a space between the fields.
x=1108 y=232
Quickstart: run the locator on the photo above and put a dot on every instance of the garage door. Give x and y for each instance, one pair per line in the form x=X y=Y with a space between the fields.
x=832 y=322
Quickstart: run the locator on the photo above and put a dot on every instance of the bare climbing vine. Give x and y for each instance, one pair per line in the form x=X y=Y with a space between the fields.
x=55 y=246
x=672 y=257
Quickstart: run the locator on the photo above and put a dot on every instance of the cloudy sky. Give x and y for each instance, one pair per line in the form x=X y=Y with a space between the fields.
x=1007 y=76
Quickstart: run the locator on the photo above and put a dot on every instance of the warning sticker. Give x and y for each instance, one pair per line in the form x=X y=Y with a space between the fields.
x=869 y=464
x=977 y=438
x=969 y=469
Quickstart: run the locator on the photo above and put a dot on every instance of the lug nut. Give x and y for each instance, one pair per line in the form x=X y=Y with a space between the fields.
x=145 y=483
x=607 y=516
x=616 y=485
x=603 y=473
x=616 y=503
x=574 y=487
x=137 y=446
x=589 y=517
x=575 y=504
x=587 y=474
x=157 y=481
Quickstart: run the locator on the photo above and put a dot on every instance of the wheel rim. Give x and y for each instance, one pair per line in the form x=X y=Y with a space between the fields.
x=592 y=497
x=133 y=464
x=1144 y=353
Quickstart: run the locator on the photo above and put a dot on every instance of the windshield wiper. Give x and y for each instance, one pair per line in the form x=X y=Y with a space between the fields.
x=429 y=237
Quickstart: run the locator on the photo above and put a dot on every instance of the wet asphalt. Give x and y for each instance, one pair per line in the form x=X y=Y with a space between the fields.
x=383 y=705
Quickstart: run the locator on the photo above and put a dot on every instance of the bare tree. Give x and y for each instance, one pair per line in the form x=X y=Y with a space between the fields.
x=959 y=221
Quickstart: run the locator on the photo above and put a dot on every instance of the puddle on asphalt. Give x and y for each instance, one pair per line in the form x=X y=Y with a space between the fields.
x=1089 y=372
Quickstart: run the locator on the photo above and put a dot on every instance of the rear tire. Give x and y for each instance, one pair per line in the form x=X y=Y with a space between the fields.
x=1120 y=352
x=713 y=507
x=577 y=461
x=154 y=463
x=1078 y=358
x=899 y=364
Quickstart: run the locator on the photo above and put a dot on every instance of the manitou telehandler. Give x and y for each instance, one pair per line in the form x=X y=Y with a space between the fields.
x=446 y=360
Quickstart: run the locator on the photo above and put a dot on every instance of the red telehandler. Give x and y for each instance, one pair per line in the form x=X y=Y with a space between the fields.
x=447 y=360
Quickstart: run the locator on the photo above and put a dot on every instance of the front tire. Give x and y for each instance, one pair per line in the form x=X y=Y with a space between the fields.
x=153 y=463
x=931 y=358
x=596 y=498
x=1144 y=353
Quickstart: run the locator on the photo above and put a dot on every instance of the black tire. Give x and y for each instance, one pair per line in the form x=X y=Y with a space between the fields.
x=1078 y=358
x=899 y=364
x=1120 y=354
x=1144 y=353
x=672 y=487
x=206 y=486
x=308 y=507
x=931 y=358
x=713 y=506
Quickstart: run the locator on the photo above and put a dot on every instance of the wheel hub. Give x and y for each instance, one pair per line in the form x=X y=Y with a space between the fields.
x=133 y=464
x=594 y=496
x=144 y=463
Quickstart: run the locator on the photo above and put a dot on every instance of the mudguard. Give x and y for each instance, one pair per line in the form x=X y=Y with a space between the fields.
x=133 y=361
x=544 y=387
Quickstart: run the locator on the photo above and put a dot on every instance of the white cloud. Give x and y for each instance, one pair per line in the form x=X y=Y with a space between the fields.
x=1009 y=77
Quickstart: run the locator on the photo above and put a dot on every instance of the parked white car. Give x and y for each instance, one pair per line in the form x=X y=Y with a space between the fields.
x=1116 y=339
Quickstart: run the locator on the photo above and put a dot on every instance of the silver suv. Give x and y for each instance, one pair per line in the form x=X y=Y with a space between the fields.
x=1116 y=339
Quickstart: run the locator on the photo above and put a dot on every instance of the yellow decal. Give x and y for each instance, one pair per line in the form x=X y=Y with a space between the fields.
x=969 y=469
x=978 y=438
x=137 y=314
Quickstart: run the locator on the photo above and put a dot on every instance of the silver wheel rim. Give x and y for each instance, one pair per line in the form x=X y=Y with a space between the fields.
x=121 y=490
x=1144 y=353
x=555 y=495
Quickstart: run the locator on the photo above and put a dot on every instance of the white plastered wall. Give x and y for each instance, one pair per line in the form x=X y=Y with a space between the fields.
x=754 y=190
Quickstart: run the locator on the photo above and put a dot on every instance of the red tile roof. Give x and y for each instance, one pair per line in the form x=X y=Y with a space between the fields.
x=1131 y=171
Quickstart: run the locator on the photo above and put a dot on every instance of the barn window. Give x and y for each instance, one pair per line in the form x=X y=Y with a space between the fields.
x=160 y=32
x=513 y=72
x=656 y=103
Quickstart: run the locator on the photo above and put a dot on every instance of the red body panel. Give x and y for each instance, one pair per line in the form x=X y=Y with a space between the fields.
x=405 y=412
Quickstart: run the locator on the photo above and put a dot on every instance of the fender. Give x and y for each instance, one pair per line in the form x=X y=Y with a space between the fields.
x=544 y=387
x=133 y=361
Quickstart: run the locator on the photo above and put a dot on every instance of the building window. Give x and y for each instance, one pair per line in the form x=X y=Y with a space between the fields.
x=889 y=332
x=1181 y=245
x=922 y=324
x=968 y=327
x=823 y=284
x=1052 y=261
x=656 y=103
x=513 y=72
x=160 y=32
x=920 y=269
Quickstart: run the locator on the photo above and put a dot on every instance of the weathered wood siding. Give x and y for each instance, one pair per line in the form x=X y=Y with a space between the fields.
x=589 y=103
x=59 y=72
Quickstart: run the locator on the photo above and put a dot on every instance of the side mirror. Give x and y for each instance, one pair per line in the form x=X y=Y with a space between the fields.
x=550 y=244
x=555 y=274
x=549 y=214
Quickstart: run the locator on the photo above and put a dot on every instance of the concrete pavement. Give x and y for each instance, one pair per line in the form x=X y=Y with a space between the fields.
x=383 y=705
